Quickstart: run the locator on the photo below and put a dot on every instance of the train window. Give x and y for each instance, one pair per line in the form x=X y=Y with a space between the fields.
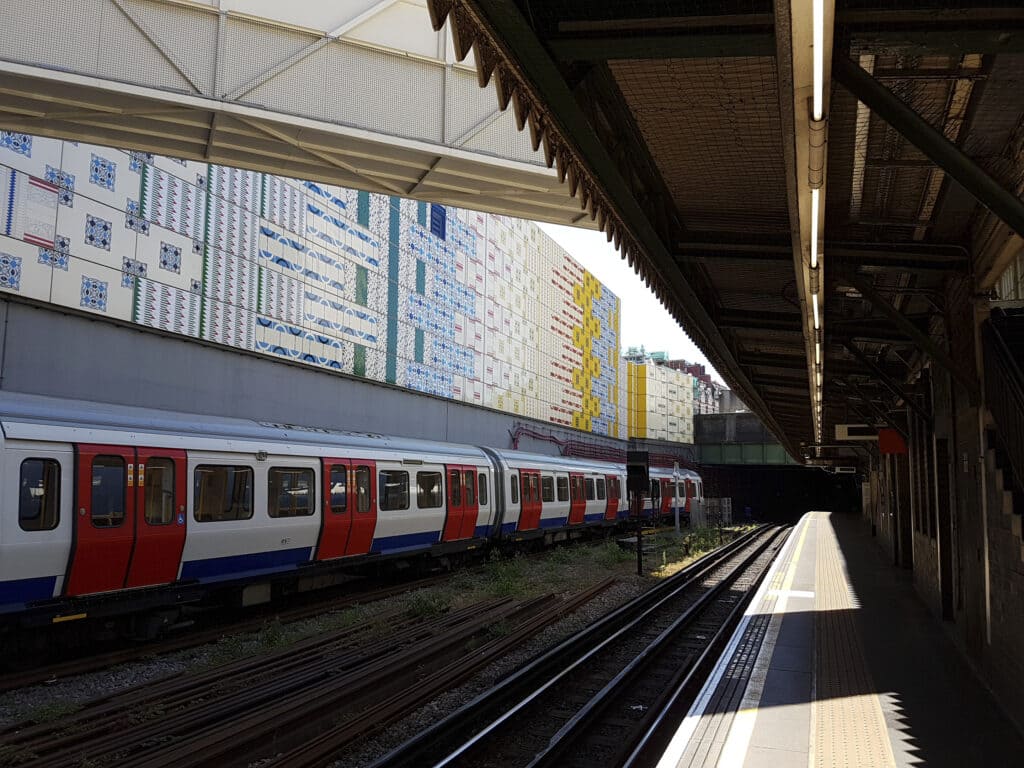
x=158 y=491
x=514 y=483
x=39 y=502
x=289 y=492
x=222 y=492
x=469 y=485
x=454 y=488
x=534 y=490
x=482 y=480
x=600 y=489
x=428 y=490
x=364 y=478
x=562 y=487
x=339 y=488
x=108 y=491
x=589 y=482
x=547 y=488
x=394 y=489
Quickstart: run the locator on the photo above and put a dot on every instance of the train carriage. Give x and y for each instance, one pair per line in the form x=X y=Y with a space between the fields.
x=124 y=509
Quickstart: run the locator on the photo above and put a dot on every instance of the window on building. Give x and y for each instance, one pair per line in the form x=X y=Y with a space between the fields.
x=290 y=492
x=393 y=489
x=339 y=488
x=469 y=486
x=482 y=479
x=589 y=485
x=108 y=491
x=514 y=488
x=562 y=488
x=364 y=486
x=547 y=488
x=39 y=495
x=159 y=491
x=428 y=490
x=600 y=489
x=222 y=492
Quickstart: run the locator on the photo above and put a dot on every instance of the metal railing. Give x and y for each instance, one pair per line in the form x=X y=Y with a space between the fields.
x=1004 y=391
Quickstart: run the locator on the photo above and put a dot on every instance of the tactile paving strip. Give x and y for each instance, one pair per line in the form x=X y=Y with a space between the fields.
x=846 y=716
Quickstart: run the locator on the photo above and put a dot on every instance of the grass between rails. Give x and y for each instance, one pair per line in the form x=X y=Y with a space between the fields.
x=562 y=569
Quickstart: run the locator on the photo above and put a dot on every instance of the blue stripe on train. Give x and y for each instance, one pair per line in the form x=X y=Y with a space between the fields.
x=594 y=518
x=243 y=566
x=554 y=522
x=21 y=591
x=405 y=542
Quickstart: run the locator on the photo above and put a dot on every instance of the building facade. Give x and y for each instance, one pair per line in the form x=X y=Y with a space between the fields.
x=482 y=309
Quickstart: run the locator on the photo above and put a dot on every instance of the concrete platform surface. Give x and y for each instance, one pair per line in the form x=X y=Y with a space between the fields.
x=837 y=663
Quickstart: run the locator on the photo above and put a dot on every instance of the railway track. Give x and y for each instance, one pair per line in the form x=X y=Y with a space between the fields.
x=94 y=662
x=589 y=700
x=314 y=696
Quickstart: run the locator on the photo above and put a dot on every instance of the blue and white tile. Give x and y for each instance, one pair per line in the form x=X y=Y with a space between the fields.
x=78 y=161
x=86 y=216
x=33 y=278
x=149 y=249
x=31 y=159
x=89 y=276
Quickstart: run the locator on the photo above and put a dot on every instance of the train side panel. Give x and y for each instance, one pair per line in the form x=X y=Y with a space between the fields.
x=37 y=497
x=249 y=518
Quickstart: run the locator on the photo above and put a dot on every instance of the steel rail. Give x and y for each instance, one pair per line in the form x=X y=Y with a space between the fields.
x=584 y=719
x=498 y=699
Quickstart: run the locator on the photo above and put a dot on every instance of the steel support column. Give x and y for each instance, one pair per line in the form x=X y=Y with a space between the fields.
x=949 y=157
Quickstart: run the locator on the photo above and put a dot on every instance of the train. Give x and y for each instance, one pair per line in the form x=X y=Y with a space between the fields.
x=133 y=511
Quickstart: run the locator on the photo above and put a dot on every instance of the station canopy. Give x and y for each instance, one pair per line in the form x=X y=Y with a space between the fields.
x=814 y=189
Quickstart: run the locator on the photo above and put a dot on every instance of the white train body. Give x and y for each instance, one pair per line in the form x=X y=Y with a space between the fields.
x=128 y=507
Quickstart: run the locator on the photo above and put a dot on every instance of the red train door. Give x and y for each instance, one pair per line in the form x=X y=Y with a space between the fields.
x=104 y=529
x=529 y=516
x=362 y=504
x=470 y=503
x=336 y=522
x=689 y=494
x=668 y=490
x=612 y=484
x=453 y=522
x=577 y=499
x=160 y=518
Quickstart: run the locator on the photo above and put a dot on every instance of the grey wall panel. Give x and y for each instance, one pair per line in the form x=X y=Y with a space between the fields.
x=64 y=355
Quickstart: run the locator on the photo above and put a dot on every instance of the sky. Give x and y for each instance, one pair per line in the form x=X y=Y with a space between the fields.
x=644 y=321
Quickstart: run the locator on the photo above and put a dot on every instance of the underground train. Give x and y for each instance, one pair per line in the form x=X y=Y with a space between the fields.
x=124 y=510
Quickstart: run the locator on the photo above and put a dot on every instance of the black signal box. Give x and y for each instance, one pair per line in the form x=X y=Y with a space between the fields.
x=637 y=479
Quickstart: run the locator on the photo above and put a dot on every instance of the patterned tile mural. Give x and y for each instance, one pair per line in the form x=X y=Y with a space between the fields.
x=479 y=308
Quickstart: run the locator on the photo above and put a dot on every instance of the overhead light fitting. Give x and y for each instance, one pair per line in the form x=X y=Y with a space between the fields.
x=818 y=22
x=815 y=197
x=814 y=302
x=817 y=353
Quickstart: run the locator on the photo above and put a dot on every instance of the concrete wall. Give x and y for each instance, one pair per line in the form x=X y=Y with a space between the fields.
x=48 y=352
x=967 y=556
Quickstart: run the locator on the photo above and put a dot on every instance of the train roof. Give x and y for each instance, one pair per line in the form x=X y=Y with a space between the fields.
x=569 y=463
x=47 y=418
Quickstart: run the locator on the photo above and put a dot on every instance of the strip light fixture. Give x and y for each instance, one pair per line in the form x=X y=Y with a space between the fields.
x=817 y=124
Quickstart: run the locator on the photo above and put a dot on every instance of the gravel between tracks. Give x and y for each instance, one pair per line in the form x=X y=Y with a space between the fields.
x=365 y=752
x=52 y=700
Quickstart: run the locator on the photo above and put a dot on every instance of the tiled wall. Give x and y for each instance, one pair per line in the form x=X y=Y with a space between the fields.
x=661 y=403
x=480 y=308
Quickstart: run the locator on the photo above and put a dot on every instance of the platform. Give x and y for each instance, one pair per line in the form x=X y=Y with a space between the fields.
x=838 y=663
